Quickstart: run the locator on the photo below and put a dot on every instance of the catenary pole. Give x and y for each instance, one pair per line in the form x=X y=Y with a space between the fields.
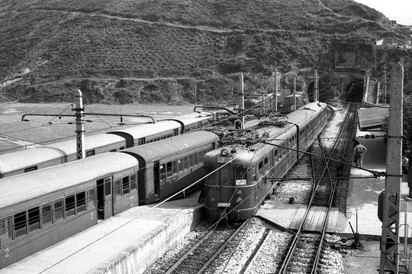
x=79 y=126
x=389 y=260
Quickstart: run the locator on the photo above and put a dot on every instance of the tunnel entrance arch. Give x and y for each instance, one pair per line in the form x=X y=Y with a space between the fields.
x=354 y=91
x=311 y=91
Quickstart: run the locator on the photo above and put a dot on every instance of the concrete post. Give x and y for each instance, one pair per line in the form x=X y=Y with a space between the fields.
x=294 y=93
x=316 y=91
x=242 y=98
x=79 y=126
x=389 y=260
x=276 y=89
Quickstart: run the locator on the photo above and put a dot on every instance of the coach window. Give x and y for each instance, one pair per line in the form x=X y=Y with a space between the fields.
x=58 y=210
x=186 y=162
x=117 y=190
x=275 y=156
x=126 y=186
x=175 y=167
x=20 y=224
x=108 y=186
x=91 y=198
x=180 y=165
x=169 y=169
x=69 y=206
x=90 y=153
x=34 y=219
x=5 y=230
x=141 y=141
x=191 y=160
x=32 y=168
x=80 y=202
x=196 y=156
x=133 y=181
x=46 y=214
x=162 y=171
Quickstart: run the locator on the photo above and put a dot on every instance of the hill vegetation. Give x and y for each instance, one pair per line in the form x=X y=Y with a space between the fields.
x=170 y=50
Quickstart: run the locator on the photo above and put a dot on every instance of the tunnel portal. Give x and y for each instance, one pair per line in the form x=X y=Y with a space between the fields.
x=354 y=92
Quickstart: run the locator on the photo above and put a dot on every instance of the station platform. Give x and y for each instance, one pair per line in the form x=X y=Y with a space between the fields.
x=126 y=243
x=362 y=201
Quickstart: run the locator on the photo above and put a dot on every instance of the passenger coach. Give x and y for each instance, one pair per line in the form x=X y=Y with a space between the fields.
x=172 y=164
x=40 y=208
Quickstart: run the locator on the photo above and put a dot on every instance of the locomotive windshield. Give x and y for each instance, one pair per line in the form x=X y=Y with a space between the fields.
x=227 y=175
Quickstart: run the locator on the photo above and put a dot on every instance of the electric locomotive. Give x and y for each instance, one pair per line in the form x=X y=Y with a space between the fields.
x=245 y=170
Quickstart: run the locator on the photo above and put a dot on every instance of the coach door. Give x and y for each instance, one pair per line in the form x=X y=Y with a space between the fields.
x=156 y=177
x=104 y=198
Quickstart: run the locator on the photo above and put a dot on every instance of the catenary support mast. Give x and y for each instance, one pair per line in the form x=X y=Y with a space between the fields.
x=389 y=261
x=79 y=126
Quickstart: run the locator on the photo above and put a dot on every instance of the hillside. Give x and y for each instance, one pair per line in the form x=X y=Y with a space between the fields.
x=169 y=50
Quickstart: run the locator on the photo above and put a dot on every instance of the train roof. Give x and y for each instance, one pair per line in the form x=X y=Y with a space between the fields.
x=148 y=129
x=26 y=158
x=241 y=156
x=27 y=186
x=173 y=145
x=191 y=118
x=305 y=112
x=90 y=141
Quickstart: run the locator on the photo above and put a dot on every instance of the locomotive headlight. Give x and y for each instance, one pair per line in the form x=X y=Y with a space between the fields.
x=224 y=152
x=239 y=200
x=238 y=193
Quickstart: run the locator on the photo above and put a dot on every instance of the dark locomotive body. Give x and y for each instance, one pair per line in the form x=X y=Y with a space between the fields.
x=243 y=175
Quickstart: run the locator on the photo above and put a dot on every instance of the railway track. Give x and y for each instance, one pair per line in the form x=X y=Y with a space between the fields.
x=306 y=249
x=200 y=256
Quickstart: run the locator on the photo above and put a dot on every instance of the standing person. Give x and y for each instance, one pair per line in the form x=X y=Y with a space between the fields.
x=358 y=152
x=405 y=162
x=355 y=143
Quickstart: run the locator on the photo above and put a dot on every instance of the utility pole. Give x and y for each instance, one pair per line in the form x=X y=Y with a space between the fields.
x=242 y=98
x=366 y=86
x=276 y=89
x=294 y=92
x=389 y=260
x=316 y=90
x=80 y=126
x=385 y=84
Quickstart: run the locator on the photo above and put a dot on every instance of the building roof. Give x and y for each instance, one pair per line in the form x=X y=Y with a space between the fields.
x=370 y=118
